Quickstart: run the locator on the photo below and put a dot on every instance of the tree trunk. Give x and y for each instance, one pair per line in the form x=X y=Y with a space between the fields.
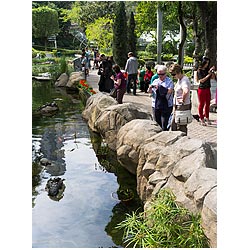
x=45 y=43
x=197 y=39
x=159 y=34
x=183 y=35
x=209 y=19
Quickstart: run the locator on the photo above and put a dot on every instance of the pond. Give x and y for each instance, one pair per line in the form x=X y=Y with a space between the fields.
x=87 y=211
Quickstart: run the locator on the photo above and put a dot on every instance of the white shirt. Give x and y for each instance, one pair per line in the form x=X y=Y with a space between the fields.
x=182 y=83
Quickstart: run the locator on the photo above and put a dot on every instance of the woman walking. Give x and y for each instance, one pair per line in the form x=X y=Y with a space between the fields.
x=204 y=75
x=119 y=82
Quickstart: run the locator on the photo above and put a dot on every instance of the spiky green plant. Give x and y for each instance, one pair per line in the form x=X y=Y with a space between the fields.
x=164 y=225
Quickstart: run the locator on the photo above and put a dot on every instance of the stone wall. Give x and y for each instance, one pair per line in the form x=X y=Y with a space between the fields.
x=159 y=159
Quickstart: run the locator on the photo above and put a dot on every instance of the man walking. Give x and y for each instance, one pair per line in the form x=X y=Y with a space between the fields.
x=131 y=68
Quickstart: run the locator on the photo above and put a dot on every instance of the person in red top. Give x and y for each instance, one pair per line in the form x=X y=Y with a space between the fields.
x=147 y=77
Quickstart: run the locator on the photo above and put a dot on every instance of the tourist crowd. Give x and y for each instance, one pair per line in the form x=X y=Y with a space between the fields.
x=168 y=87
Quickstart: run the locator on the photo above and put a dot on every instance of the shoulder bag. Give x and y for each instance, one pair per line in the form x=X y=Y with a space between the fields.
x=113 y=92
x=183 y=114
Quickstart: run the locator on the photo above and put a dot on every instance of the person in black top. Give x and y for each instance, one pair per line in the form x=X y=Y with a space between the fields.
x=204 y=74
x=105 y=71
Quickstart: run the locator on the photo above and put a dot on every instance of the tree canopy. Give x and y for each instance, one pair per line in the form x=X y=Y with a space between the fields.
x=199 y=18
x=120 y=35
x=44 y=22
x=100 y=32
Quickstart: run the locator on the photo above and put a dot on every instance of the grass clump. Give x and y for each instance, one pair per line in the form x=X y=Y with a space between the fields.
x=164 y=225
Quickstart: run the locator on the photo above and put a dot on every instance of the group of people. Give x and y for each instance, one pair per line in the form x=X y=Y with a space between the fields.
x=122 y=81
x=167 y=97
x=88 y=56
x=144 y=77
x=111 y=76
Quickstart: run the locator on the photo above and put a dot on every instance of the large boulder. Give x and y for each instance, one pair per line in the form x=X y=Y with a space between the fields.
x=177 y=187
x=95 y=105
x=114 y=117
x=74 y=79
x=159 y=159
x=131 y=137
x=200 y=183
x=62 y=80
x=209 y=216
x=170 y=160
x=171 y=153
x=200 y=158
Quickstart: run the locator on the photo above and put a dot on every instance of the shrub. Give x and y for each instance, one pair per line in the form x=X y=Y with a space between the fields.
x=150 y=59
x=167 y=57
x=85 y=87
x=164 y=225
x=188 y=73
x=142 y=53
x=141 y=62
x=188 y=60
x=151 y=48
x=63 y=65
x=34 y=52
x=146 y=56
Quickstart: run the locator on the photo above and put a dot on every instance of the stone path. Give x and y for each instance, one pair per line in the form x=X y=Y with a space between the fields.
x=195 y=130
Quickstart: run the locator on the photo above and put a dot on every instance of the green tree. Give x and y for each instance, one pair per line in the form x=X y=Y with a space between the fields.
x=86 y=12
x=208 y=12
x=145 y=18
x=198 y=34
x=100 y=32
x=44 y=23
x=131 y=34
x=119 y=45
x=197 y=19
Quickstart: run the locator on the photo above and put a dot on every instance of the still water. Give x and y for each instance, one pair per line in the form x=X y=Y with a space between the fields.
x=86 y=214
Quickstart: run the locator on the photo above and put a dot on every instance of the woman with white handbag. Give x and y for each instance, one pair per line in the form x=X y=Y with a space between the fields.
x=182 y=103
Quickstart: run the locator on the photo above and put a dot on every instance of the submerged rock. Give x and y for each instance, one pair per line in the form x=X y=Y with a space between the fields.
x=55 y=187
x=48 y=109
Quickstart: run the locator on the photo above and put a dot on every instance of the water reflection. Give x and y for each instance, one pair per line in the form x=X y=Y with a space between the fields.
x=108 y=162
x=62 y=146
x=51 y=147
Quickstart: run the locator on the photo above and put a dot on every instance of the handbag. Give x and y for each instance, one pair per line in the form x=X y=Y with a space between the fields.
x=113 y=92
x=183 y=114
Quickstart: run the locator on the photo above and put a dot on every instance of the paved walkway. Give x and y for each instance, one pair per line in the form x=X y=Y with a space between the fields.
x=195 y=130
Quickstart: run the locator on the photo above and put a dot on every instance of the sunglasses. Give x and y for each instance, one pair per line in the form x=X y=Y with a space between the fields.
x=162 y=74
x=173 y=74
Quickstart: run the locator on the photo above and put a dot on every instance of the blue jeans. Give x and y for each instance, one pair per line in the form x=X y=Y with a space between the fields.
x=162 y=117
